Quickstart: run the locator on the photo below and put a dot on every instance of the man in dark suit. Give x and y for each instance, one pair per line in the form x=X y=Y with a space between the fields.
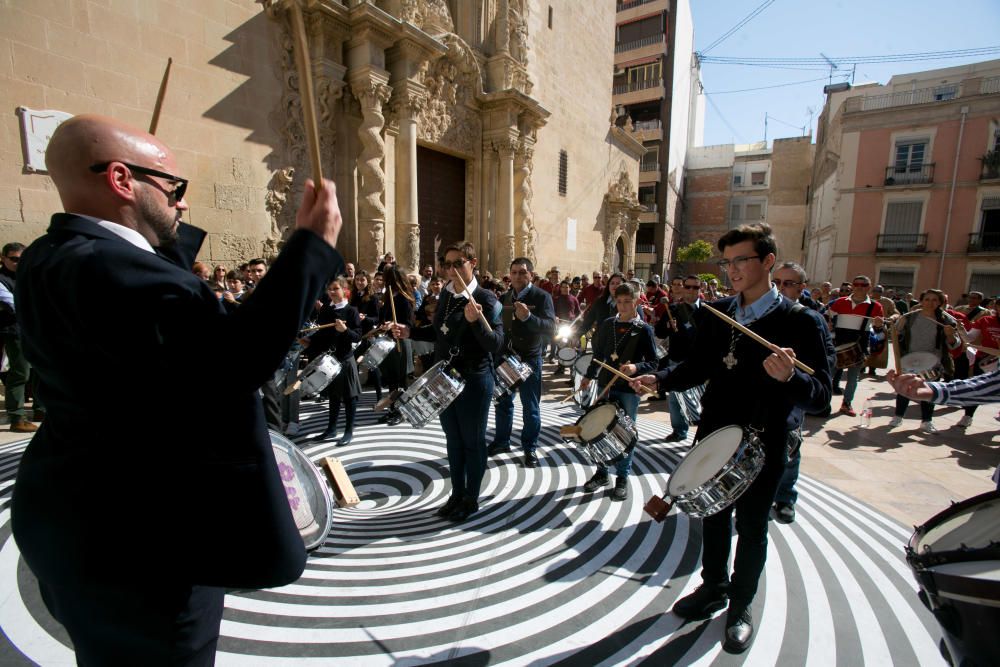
x=529 y=322
x=754 y=387
x=135 y=523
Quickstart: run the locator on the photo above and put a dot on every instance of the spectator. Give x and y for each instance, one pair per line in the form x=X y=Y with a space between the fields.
x=19 y=369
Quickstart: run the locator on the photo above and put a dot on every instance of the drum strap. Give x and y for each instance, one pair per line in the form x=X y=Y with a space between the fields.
x=507 y=315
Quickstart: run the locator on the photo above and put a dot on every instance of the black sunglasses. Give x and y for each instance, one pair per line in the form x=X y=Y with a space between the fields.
x=180 y=184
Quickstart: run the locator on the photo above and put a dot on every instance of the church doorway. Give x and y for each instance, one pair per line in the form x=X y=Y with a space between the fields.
x=618 y=259
x=440 y=201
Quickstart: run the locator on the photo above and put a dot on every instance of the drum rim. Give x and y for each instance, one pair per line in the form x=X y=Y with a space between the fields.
x=324 y=488
x=756 y=466
x=921 y=561
x=752 y=442
x=581 y=356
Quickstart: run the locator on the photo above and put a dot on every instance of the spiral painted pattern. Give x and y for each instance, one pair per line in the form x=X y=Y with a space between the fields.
x=543 y=574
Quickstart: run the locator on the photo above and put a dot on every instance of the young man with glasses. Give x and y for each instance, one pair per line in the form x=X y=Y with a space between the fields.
x=110 y=309
x=754 y=387
x=19 y=370
x=857 y=320
x=528 y=315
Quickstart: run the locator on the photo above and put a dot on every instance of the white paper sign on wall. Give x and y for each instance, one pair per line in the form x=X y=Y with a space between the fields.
x=37 y=127
x=570 y=233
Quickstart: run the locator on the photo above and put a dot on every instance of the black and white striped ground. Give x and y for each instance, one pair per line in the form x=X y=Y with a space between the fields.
x=543 y=574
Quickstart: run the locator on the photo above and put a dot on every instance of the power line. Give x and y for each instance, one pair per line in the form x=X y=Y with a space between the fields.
x=746 y=19
x=736 y=135
x=778 y=85
x=851 y=60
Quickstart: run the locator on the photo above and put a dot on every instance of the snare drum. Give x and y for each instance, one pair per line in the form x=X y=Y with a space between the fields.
x=380 y=348
x=955 y=558
x=988 y=364
x=606 y=433
x=319 y=374
x=510 y=374
x=849 y=354
x=309 y=496
x=584 y=398
x=926 y=365
x=582 y=363
x=716 y=471
x=565 y=356
x=430 y=394
x=661 y=348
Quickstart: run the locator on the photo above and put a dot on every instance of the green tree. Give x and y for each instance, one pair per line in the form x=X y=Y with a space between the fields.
x=697 y=251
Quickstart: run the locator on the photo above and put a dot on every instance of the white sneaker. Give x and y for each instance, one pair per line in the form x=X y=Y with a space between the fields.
x=964 y=422
x=895 y=421
x=292 y=428
x=928 y=427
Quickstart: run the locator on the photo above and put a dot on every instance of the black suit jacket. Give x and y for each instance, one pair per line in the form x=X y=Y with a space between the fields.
x=137 y=470
x=529 y=338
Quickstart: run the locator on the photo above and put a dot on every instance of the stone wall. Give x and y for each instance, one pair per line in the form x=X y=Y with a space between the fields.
x=108 y=57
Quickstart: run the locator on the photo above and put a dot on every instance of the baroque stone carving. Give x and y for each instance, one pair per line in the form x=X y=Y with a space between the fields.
x=274 y=201
x=518 y=26
x=413 y=248
x=452 y=83
x=528 y=233
x=372 y=95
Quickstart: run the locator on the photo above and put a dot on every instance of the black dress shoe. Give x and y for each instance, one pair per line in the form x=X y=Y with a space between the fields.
x=705 y=601
x=620 y=491
x=837 y=391
x=784 y=512
x=530 y=460
x=466 y=508
x=448 y=507
x=328 y=434
x=597 y=481
x=739 y=629
x=656 y=399
x=346 y=440
x=498 y=448
x=675 y=437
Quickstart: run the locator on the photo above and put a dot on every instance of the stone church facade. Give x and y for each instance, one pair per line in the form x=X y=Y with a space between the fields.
x=488 y=121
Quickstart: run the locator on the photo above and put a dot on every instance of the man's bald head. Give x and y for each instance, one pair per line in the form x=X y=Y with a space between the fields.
x=87 y=140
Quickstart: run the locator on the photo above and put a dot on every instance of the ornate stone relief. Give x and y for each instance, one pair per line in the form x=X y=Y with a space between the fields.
x=452 y=81
x=371 y=209
x=517 y=21
x=527 y=234
x=274 y=203
x=620 y=217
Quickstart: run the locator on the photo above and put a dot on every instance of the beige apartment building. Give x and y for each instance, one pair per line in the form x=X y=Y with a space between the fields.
x=906 y=182
x=656 y=95
x=440 y=120
x=730 y=185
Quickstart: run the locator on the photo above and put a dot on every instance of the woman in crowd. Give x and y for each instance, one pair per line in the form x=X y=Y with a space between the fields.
x=399 y=364
x=927 y=329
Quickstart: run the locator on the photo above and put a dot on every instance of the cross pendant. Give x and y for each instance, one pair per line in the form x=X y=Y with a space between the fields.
x=444 y=329
x=729 y=360
x=614 y=356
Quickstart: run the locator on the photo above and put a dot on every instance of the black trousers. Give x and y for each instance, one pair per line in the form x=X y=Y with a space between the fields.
x=149 y=624
x=752 y=510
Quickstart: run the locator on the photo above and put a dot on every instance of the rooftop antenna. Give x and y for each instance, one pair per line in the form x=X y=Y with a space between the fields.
x=832 y=65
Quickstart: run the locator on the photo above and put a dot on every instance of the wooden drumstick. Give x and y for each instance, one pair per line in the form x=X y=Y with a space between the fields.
x=620 y=375
x=158 y=107
x=317 y=328
x=465 y=288
x=760 y=339
x=392 y=306
x=306 y=91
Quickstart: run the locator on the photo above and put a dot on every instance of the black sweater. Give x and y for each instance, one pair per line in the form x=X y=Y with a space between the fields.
x=473 y=344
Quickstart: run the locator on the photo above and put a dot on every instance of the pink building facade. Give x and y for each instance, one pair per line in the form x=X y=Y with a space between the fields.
x=905 y=186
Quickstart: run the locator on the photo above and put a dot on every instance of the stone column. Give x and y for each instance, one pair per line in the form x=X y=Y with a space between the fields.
x=372 y=92
x=487 y=217
x=406 y=107
x=523 y=221
x=505 y=251
x=631 y=228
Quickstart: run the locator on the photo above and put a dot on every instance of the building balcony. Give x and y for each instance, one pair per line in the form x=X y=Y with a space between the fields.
x=652 y=215
x=638 y=91
x=989 y=85
x=630 y=10
x=991 y=170
x=639 y=49
x=984 y=242
x=904 y=243
x=649 y=165
x=903 y=98
x=648 y=130
x=922 y=174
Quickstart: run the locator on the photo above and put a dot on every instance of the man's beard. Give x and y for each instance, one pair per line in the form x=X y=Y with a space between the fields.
x=163 y=223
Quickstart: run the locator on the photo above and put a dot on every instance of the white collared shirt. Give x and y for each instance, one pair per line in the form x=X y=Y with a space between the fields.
x=472 y=285
x=127 y=233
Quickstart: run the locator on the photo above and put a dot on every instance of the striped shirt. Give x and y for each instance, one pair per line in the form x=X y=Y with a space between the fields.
x=974 y=391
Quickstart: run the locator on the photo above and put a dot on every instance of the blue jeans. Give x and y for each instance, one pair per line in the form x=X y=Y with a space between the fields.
x=630 y=403
x=853 y=375
x=464 y=425
x=531 y=393
x=786 y=487
x=678 y=421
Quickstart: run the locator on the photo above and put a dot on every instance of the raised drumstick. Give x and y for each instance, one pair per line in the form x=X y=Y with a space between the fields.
x=760 y=339
x=620 y=375
x=392 y=306
x=306 y=91
x=158 y=107
x=465 y=288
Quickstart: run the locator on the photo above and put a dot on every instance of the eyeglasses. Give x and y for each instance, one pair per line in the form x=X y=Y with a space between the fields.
x=861 y=284
x=15 y=258
x=787 y=283
x=736 y=262
x=692 y=287
x=457 y=264
x=180 y=184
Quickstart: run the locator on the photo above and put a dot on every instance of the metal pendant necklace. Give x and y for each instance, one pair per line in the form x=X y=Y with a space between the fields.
x=452 y=307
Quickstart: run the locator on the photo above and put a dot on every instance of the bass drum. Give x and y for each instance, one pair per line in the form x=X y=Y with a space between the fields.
x=309 y=495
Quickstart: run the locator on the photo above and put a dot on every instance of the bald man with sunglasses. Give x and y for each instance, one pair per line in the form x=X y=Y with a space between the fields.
x=135 y=515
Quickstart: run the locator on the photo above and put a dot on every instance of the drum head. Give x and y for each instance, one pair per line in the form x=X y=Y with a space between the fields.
x=309 y=496
x=705 y=459
x=919 y=362
x=596 y=422
x=566 y=356
x=582 y=363
x=848 y=321
x=972 y=525
x=844 y=347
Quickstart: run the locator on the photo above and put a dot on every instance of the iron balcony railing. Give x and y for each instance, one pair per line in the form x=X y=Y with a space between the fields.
x=990 y=172
x=901 y=243
x=912 y=174
x=633 y=86
x=990 y=85
x=645 y=248
x=984 y=242
x=649 y=40
x=655 y=124
x=650 y=206
x=649 y=165
x=901 y=98
x=629 y=4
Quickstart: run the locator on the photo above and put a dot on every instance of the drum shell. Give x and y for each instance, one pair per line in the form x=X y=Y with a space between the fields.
x=849 y=354
x=320 y=372
x=726 y=486
x=309 y=495
x=615 y=439
x=429 y=395
x=926 y=365
x=510 y=374
x=565 y=356
x=377 y=352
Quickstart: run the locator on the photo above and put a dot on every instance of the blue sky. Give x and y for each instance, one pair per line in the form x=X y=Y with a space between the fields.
x=837 y=28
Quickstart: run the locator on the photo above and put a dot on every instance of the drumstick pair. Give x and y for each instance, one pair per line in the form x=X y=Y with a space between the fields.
x=760 y=339
x=465 y=289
